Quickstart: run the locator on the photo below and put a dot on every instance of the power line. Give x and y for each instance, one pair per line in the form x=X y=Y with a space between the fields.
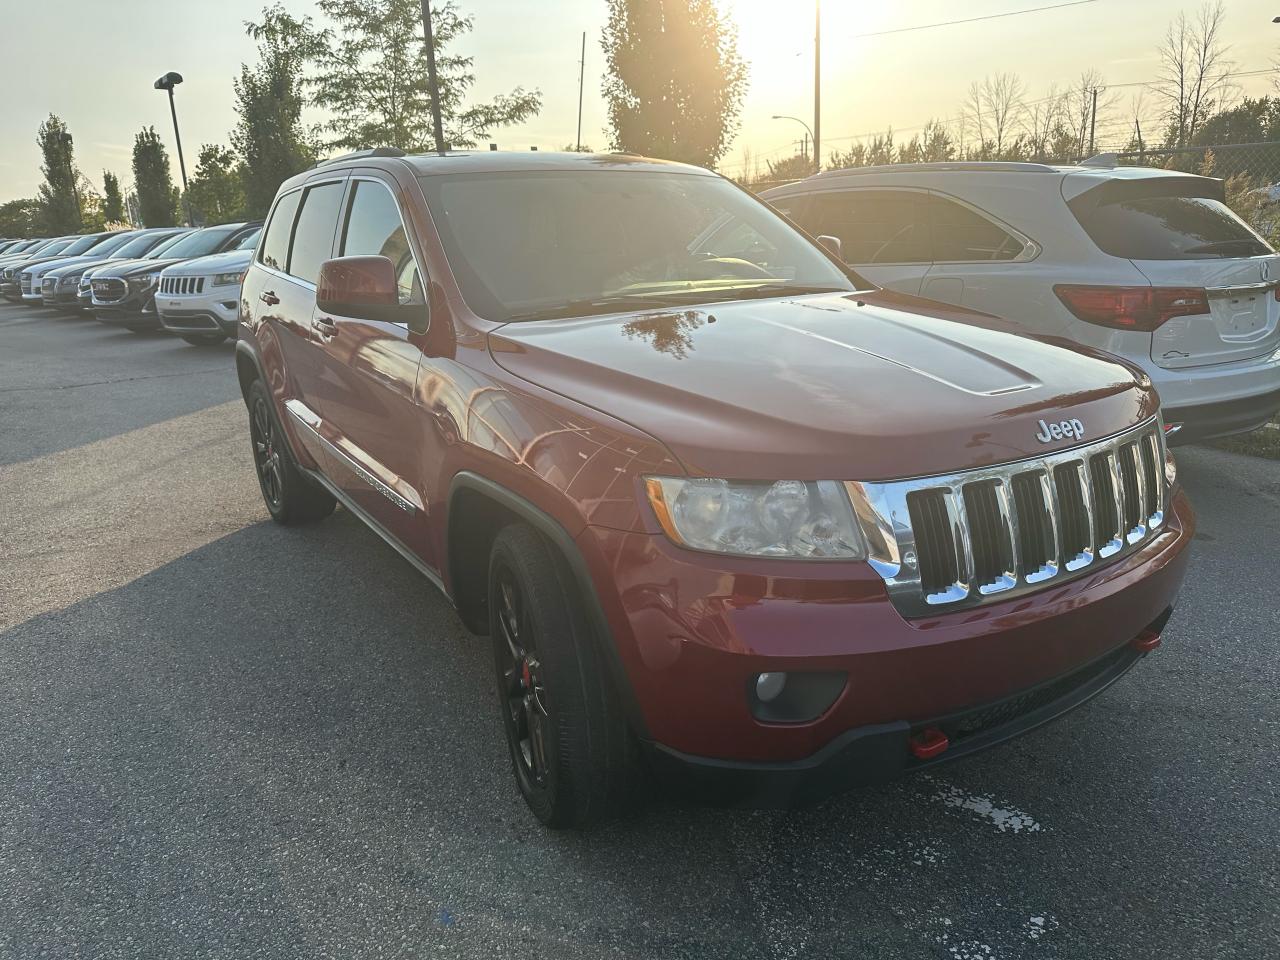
x=990 y=16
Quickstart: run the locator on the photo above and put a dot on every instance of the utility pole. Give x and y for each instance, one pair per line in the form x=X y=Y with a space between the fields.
x=817 y=85
x=432 y=79
x=582 y=76
x=1137 y=128
x=1093 y=119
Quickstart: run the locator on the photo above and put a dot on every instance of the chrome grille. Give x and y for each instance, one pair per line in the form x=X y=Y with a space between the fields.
x=181 y=285
x=956 y=541
x=109 y=290
x=25 y=283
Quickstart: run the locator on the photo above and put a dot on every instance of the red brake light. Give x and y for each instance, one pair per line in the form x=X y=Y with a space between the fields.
x=1132 y=308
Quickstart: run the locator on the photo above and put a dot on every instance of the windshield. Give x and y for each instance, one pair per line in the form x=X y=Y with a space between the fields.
x=163 y=248
x=201 y=243
x=249 y=241
x=52 y=247
x=527 y=246
x=1171 y=228
x=141 y=244
x=81 y=245
x=113 y=243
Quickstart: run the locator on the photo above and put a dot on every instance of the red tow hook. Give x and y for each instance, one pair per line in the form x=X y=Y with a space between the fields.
x=1146 y=641
x=928 y=743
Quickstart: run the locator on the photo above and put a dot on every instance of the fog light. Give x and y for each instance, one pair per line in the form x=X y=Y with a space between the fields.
x=769 y=685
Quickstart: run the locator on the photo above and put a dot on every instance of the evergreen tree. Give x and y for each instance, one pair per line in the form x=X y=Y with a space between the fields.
x=372 y=76
x=58 y=192
x=157 y=197
x=112 y=201
x=674 y=81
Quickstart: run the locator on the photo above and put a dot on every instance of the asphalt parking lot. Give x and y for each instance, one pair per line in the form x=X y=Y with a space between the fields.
x=223 y=738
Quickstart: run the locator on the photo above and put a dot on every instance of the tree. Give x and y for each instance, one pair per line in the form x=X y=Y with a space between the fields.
x=157 y=197
x=269 y=136
x=58 y=192
x=994 y=108
x=1195 y=73
x=674 y=82
x=371 y=75
x=216 y=190
x=21 y=218
x=112 y=201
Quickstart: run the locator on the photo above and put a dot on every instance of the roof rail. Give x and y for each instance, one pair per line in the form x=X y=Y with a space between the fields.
x=357 y=154
x=971 y=166
x=1106 y=161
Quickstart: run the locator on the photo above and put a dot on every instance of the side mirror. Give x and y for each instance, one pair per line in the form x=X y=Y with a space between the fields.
x=364 y=288
x=833 y=246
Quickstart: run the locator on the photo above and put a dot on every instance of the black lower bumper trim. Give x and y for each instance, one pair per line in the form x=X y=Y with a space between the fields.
x=875 y=754
x=1209 y=420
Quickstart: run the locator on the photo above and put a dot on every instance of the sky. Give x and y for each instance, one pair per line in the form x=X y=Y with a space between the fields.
x=96 y=68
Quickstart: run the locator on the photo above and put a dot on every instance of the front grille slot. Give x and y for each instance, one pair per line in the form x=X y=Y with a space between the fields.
x=935 y=541
x=1106 y=520
x=1130 y=493
x=1035 y=527
x=989 y=535
x=1074 y=515
x=1150 y=477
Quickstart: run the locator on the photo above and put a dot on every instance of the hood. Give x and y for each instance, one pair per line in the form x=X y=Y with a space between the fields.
x=845 y=387
x=126 y=268
x=59 y=263
x=36 y=262
x=227 y=262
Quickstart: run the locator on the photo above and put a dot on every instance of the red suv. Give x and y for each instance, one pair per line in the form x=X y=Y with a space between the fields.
x=729 y=517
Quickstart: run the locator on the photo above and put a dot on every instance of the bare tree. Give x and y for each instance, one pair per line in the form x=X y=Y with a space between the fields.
x=1080 y=117
x=1195 y=72
x=994 y=110
x=1043 y=118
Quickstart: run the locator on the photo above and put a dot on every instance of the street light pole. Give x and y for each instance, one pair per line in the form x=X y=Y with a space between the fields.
x=167 y=83
x=808 y=130
x=817 y=86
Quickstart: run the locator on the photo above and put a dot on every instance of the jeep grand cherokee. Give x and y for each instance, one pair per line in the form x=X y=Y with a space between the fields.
x=728 y=517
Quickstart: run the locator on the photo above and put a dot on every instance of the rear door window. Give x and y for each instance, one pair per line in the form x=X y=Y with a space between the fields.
x=961 y=235
x=374 y=228
x=874 y=226
x=275 y=247
x=1169 y=228
x=313 y=233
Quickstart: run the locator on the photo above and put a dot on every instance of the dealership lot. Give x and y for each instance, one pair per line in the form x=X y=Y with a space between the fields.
x=228 y=738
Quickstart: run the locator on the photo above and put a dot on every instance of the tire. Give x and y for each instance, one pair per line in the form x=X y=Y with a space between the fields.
x=204 y=339
x=573 y=754
x=290 y=495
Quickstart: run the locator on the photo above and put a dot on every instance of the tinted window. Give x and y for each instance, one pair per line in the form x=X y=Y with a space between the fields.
x=249 y=240
x=874 y=226
x=162 y=248
x=1170 y=228
x=137 y=246
x=961 y=235
x=81 y=245
x=373 y=228
x=540 y=245
x=201 y=243
x=275 y=248
x=313 y=235
x=112 y=244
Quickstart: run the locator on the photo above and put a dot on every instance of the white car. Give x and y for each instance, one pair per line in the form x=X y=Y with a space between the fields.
x=1147 y=264
x=199 y=300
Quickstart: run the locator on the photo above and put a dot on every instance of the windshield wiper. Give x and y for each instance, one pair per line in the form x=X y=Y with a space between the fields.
x=776 y=290
x=1222 y=245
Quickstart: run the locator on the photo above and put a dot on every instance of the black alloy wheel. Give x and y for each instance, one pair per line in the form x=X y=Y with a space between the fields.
x=266 y=454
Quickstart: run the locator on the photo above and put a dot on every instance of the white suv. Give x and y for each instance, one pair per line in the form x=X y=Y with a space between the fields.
x=1147 y=264
x=199 y=299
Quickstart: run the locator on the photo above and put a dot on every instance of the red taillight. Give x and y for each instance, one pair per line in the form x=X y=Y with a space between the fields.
x=1132 y=308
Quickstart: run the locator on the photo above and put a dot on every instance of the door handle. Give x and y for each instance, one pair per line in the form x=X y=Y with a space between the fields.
x=325 y=327
x=269 y=298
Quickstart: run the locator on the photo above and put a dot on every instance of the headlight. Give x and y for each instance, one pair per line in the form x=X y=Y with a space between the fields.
x=789 y=518
x=69 y=281
x=144 y=281
x=226 y=279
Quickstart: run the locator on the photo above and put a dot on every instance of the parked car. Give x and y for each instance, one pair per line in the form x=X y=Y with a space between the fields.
x=60 y=283
x=1147 y=264
x=136 y=252
x=726 y=513
x=13 y=249
x=124 y=295
x=8 y=243
x=32 y=267
x=12 y=267
x=199 y=300
x=34 y=275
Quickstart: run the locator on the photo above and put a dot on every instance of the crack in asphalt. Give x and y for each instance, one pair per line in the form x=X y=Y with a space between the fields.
x=100 y=383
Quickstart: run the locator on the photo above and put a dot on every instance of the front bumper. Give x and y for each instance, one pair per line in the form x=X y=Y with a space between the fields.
x=136 y=313
x=875 y=754
x=1206 y=421
x=692 y=633
x=199 y=315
